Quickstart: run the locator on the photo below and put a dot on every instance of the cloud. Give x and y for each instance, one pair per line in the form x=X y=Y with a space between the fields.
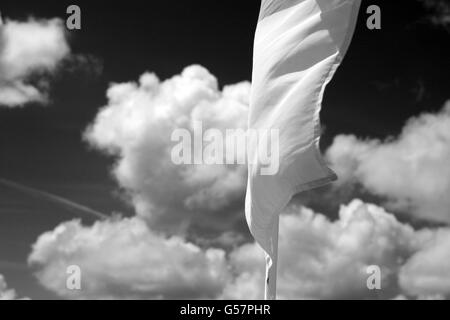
x=319 y=259
x=29 y=50
x=183 y=241
x=330 y=257
x=427 y=272
x=5 y=293
x=411 y=171
x=136 y=127
x=440 y=12
x=123 y=258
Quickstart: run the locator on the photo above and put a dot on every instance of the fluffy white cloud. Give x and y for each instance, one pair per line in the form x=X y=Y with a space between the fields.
x=427 y=273
x=318 y=259
x=412 y=171
x=136 y=127
x=5 y=293
x=28 y=50
x=330 y=258
x=125 y=259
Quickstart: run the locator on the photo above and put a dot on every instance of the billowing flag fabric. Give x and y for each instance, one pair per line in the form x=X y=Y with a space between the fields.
x=299 y=44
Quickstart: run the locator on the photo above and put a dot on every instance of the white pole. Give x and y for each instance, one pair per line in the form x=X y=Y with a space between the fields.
x=272 y=264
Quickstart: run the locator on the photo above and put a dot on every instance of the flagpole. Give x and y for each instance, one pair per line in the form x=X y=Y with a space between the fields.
x=272 y=264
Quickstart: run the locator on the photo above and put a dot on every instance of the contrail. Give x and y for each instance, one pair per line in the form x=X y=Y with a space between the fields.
x=53 y=198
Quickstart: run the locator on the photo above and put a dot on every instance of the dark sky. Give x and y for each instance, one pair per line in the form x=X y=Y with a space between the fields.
x=388 y=76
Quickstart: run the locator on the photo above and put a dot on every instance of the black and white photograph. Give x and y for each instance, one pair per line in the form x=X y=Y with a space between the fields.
x=199 y=150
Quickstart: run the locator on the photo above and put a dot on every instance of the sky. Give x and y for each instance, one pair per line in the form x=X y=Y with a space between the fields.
x=86 y=114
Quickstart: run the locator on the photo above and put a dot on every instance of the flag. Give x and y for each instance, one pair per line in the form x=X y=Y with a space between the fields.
x=298 y=46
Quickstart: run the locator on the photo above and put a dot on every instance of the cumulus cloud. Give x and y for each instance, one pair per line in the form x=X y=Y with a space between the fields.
x=28 y=51
x=125 y=259
x=330 y=258
x=157 y=254
x=427 y=273
x=136 y=128
x=411 y=171
x=319 y=259
x=5 y=293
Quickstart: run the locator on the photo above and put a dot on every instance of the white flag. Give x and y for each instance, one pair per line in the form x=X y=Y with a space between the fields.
x=299 y=44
